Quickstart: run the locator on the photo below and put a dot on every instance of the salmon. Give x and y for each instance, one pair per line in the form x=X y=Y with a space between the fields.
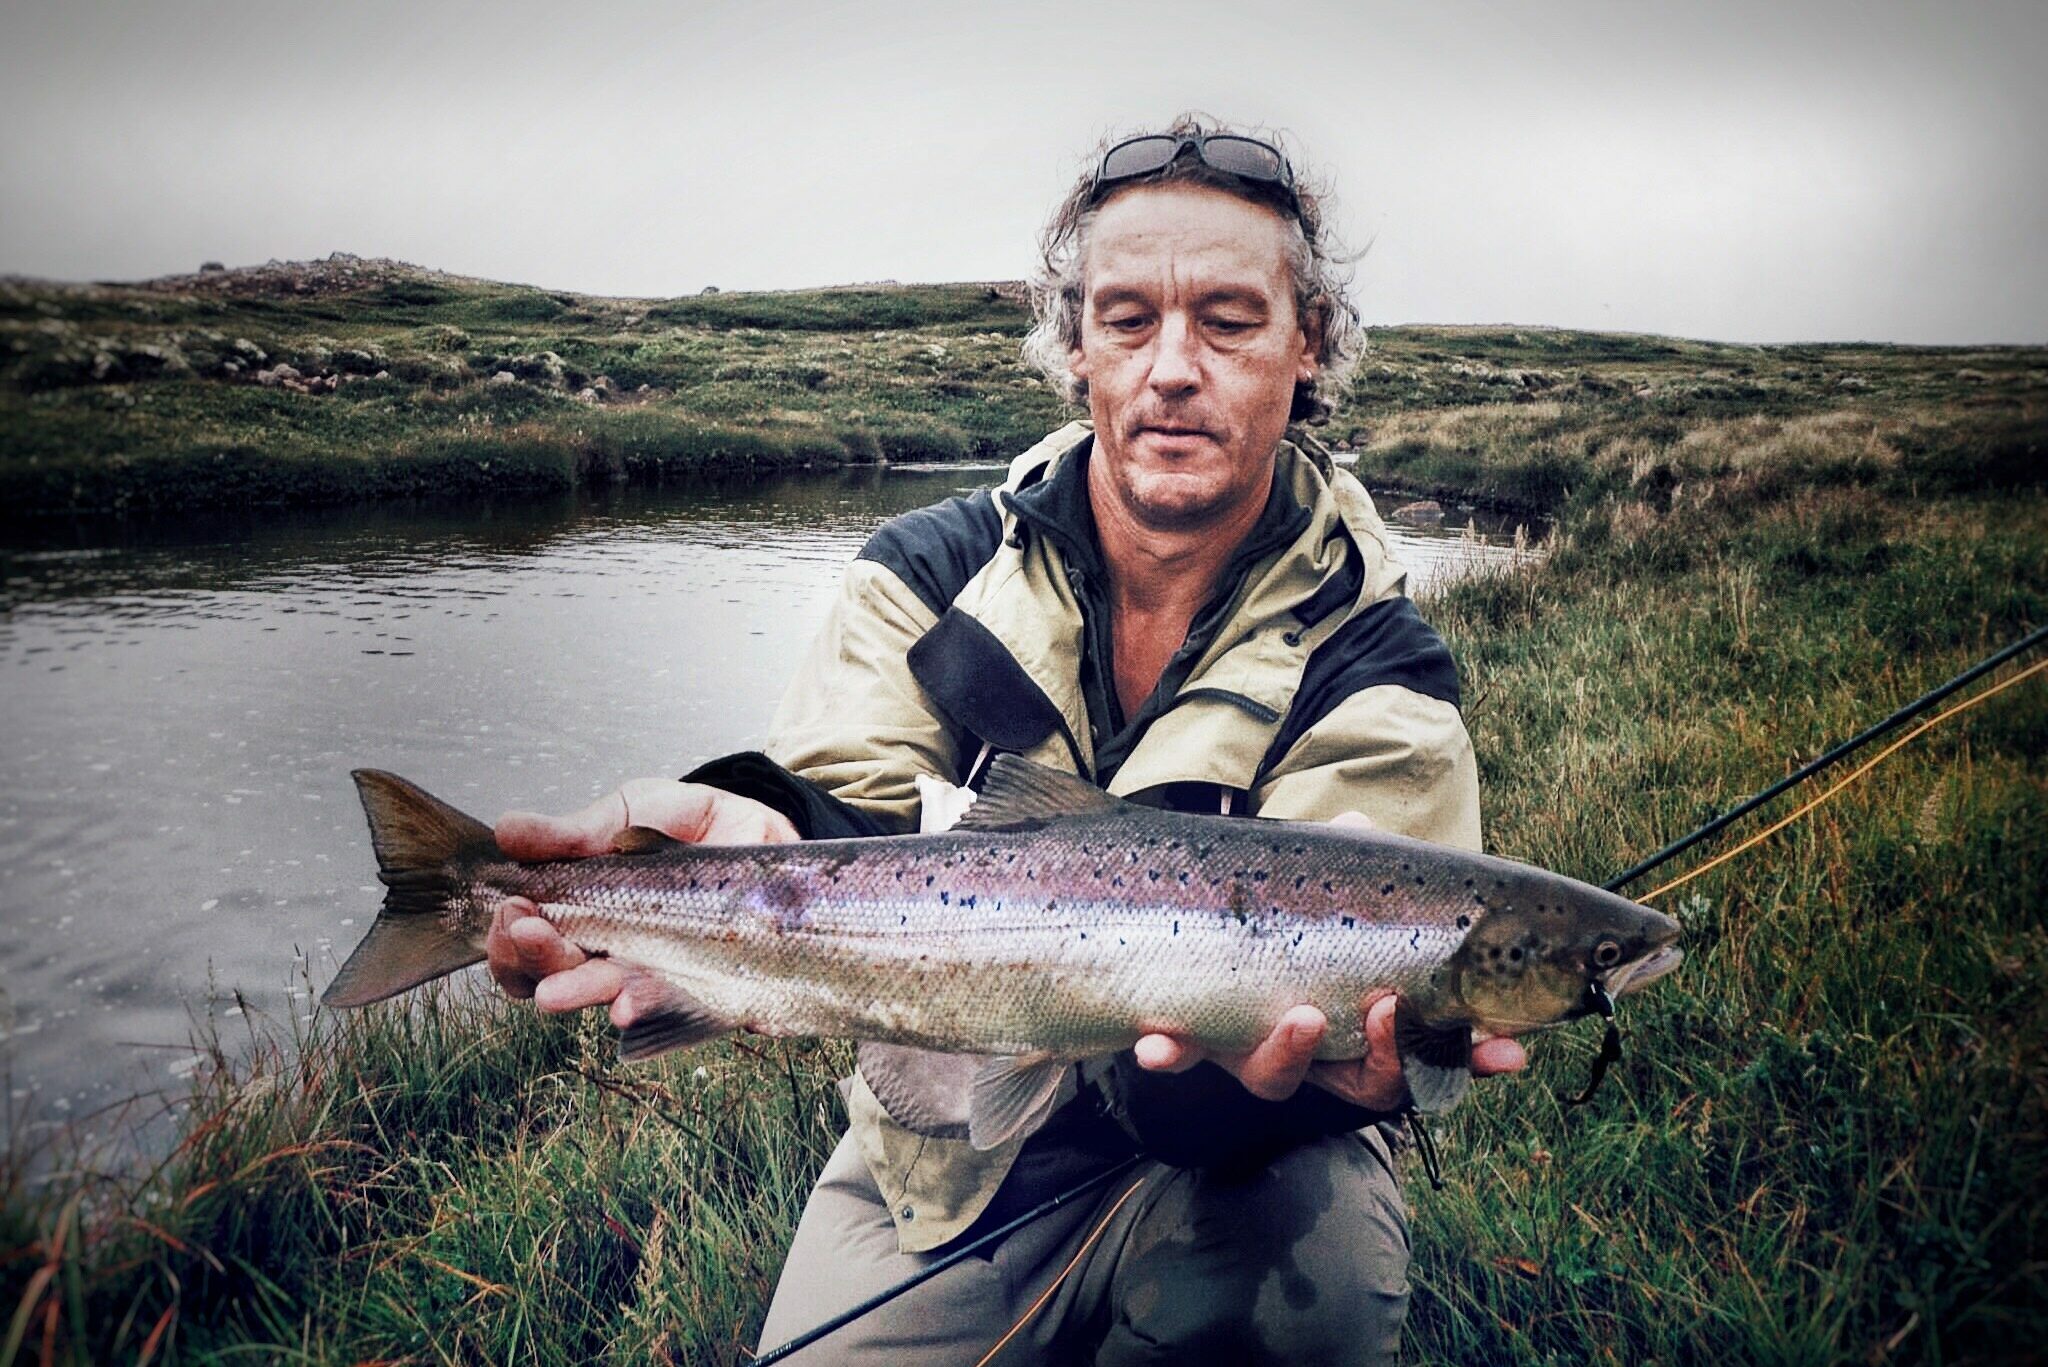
x=1054 y=923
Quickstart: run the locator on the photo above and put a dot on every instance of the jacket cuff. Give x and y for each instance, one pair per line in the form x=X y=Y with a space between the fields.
x=816 y=814
x=1204 y=1118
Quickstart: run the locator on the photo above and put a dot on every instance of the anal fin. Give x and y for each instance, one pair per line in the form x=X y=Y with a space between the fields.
x=1013 y=1096
x=669 y=1018
x=1436 y=1058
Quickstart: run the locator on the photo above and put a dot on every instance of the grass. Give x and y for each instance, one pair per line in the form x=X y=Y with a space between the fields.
x=1827 y=1139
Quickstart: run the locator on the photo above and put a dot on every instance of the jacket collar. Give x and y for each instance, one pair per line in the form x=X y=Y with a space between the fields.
x=1296 y=591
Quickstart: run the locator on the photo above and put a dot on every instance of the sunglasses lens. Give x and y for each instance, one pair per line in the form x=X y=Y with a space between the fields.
x=1244 y=157
x=1138 y=157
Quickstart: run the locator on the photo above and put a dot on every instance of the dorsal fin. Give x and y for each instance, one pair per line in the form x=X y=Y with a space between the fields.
x=1020 y=795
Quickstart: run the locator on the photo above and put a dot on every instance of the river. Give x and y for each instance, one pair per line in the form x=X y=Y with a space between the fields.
x=183 y=703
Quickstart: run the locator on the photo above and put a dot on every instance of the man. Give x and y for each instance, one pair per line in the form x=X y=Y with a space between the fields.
x=1181 y=605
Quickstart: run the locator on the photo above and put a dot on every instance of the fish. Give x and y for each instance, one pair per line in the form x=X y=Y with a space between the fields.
x=1054 y=923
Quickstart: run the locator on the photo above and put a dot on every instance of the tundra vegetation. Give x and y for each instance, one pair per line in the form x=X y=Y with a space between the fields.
x=1826 y=1142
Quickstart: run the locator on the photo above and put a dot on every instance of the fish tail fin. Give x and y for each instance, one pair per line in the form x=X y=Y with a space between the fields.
x=419 y=841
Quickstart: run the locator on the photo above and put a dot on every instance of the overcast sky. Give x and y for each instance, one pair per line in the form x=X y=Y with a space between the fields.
x=1745 y=171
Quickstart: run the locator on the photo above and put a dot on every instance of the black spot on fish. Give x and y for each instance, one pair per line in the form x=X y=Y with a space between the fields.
x=1464 y=921
x=1468 y=882
x=1152 y=874
x=945 y=898
x=1415 y=939
x=1084 y=934
x=1350 y=922
x=903 y=919
x=968 y=900
x=1329 y=886
x=1117 y=881
x=1239 y=914
x=1386 y=889
x=1297 y=936
x=1299 y=880
x=1259 y=876
x=1419 y=881
x=1176 y=927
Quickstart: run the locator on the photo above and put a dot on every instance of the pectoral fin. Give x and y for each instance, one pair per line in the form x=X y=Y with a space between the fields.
x=669 y=1018
x=1013 y=1096
x=1436 y=1058
x=925 y=1092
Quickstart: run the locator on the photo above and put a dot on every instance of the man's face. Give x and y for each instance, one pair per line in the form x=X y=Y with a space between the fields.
x=1191 y=349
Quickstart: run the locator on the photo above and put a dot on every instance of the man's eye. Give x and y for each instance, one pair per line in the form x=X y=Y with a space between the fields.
x=1232 y=325
x=1129 y=322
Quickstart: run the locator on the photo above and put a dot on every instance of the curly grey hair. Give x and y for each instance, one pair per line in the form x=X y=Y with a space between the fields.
x=1315 y=261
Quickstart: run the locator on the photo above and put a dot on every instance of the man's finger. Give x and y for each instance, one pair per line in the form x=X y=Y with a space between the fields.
x=1498 y=1055
x=700 y=815
x=531 y=837
x=1275 y=1068
x=592 y=983
x=1165 y=1054
x=1357 y=821
x=521 y=948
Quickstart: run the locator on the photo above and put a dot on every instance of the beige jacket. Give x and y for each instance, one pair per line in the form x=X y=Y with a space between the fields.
x=960 y=631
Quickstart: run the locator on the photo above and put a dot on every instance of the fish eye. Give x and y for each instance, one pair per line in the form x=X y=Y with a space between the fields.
x=1606 y=954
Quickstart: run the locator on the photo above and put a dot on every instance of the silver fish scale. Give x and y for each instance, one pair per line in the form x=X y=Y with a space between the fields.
x=1076 y=938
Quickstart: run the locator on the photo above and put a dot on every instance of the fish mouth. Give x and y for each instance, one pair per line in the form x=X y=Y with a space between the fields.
x=1634 y=977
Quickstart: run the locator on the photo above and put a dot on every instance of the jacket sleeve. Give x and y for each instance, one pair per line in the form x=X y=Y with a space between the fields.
x=853 y=721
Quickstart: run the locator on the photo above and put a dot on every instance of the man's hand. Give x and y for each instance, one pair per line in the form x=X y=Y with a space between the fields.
x=1280 y=1063
x=529 y=958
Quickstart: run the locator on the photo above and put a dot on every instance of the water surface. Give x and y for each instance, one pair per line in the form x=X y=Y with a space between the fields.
x=182 y=705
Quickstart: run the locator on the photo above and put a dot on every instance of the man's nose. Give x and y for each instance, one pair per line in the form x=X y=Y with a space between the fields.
x=1176 y=358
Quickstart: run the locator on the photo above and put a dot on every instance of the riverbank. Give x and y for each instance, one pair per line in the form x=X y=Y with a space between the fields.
x=351 y=380
x=348 y=380
x=1825 y=1142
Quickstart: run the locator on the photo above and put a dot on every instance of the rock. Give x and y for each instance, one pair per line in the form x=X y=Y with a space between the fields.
x=709 y=289
x=250 y=353
x=278 y=375
x=357 y=361
x=603 y=385
x=230 y=367
x=589 y=395
x=542 y=368
x=211 y=267
x=1423 y=510
x=381 y=375
x=1972 y=377
x=504 y=377
x=1852 y=382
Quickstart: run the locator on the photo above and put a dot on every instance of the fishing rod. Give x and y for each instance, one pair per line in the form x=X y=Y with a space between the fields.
x=1832 y=757
x=1598 y=1000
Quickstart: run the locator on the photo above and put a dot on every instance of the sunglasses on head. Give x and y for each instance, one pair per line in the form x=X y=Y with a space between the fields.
x=1248 y=159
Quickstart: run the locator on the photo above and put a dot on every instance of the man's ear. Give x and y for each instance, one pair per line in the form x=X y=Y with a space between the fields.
x=1306 y=364
x=1077 y=363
